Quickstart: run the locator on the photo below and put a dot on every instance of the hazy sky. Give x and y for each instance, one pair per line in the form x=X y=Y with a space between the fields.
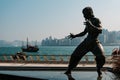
x=38 y=19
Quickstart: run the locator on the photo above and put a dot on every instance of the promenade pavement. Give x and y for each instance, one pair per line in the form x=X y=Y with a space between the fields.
x=48 y=65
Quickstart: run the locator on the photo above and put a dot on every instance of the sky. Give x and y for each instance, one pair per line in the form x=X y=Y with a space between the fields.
x=39 y=19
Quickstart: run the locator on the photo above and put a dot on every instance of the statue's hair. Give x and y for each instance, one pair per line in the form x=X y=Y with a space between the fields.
x=88 y=10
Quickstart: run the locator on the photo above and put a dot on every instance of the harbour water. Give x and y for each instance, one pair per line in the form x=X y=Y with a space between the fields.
x=52 y=50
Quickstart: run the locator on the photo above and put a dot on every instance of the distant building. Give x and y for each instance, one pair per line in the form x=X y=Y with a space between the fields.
x=106 y=38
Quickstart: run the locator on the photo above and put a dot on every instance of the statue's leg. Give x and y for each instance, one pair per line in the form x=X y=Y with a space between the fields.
x=100 y=58
x=78 y=53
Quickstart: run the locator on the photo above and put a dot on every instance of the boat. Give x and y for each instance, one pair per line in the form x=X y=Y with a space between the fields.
x=30 y=48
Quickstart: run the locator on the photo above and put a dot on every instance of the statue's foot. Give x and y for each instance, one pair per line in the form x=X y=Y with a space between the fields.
x=99 y=77
x=69 y=76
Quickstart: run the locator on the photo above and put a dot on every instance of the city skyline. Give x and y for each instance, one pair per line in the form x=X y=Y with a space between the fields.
x=38 y=19
x=107 y=38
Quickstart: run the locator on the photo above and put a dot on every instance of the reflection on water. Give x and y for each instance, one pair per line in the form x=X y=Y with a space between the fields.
x=99 y=78
x=69 y=76
x=106 y=76
x=116 y=76
x=59 y=75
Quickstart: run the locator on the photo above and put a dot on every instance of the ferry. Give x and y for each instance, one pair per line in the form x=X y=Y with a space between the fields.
x=30 y=48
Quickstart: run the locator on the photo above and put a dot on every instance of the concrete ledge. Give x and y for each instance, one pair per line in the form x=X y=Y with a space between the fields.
x=13 y=68
x=45 y=67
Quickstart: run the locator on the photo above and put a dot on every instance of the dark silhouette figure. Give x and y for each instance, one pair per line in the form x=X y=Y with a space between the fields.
x=20 y=55
x=91 y=42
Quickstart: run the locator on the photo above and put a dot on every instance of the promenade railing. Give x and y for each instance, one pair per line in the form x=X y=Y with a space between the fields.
x=64 y=59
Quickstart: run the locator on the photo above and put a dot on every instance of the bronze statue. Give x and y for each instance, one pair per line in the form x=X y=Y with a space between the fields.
x=91 y=43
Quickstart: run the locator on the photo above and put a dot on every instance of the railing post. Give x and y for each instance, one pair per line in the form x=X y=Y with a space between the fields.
x=53 y=58
x=11 y=58
x=86 y=59
x=94 y=59
x=38 y=58
x=45 y=58
x=5 y=58
x=61 y=59
x=31 y=58
x=69 y=58
x=25 y=58
x=18 y=58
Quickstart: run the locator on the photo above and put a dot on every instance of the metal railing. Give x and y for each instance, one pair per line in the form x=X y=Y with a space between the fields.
x=88 y=59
